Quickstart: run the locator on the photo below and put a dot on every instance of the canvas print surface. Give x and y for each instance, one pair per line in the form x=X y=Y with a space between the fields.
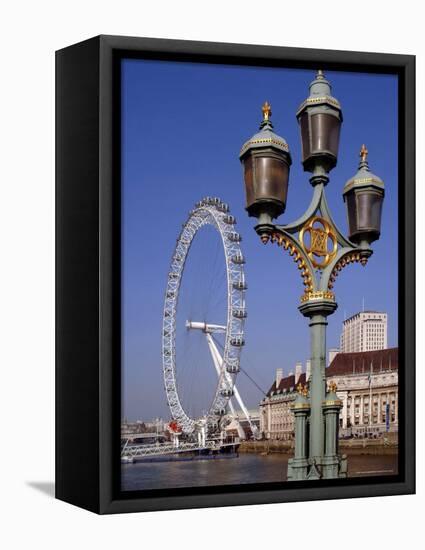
x=259 y=275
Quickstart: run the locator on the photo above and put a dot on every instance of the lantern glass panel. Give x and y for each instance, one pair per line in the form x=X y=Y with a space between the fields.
x=325 y=133
x=271 y=179
x=249 y=181
x=305 y=135
x=369 y=207
x=352 y=213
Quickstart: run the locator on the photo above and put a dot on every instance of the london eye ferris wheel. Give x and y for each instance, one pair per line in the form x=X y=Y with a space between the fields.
x=214 y=213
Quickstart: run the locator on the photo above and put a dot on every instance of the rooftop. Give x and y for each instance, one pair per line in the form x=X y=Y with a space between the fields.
x=364 y=362
x=363 y=312
x=286 y=384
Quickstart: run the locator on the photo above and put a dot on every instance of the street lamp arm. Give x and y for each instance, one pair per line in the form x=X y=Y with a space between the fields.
x=290 y=244
x=344 y=256
x=345 y=252
x=314 y=206
x=317 y=278
x=325 y=212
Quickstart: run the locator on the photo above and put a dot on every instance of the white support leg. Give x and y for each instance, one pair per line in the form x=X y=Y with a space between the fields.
x=218 y=362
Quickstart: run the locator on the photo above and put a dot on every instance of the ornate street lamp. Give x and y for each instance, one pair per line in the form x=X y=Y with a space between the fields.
x=320 y=118
x=364 y=195
x=319 y=249
x=266 y=161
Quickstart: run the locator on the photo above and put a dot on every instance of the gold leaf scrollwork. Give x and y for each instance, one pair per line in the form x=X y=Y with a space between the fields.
x=297 y=256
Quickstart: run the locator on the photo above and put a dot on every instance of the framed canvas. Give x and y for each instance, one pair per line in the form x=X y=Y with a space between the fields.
x=197 y=183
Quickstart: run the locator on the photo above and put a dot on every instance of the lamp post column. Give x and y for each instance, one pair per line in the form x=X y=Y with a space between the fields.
x=317 y=311
x=318 y=385
x=298 y=465
x=333 y=465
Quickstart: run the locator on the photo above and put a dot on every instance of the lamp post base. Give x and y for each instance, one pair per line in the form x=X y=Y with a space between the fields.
x=330 y=467
x=297 y=469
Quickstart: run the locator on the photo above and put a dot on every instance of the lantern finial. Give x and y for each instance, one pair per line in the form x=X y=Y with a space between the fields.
x=267 y=111
x=363 y=153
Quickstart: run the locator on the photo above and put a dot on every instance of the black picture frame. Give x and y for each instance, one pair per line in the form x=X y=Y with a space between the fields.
x=88 y=273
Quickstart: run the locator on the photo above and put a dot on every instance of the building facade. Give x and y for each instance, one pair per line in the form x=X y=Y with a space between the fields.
x=367 y=384
x=276 y=418
x=364 y=331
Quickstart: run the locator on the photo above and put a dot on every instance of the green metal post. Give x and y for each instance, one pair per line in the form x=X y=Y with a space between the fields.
x=298 y=466
x=318 y=385
x=300 y=427
x=317 y=310
x=332 y=462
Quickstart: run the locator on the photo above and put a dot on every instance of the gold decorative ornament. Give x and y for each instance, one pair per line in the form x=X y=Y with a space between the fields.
x=321 y=235
x=332 y=403
x=332 y=387
x=296 y=254
x=281 y=144
x=305 y=391
x=315 y=100
x=318 y=295
x=303 y=405
x=363 y=153
x=350 y=257
x=300 y=388
x=267 y=110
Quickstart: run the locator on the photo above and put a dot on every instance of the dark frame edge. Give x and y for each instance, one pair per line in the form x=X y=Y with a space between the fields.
x=407 y=176
x=106 y=501
x=77 y=282
x=404 y=65
x=258 y=53
x=254 y=498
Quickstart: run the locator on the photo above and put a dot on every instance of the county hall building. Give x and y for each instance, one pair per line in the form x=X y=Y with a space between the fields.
x=367 y=384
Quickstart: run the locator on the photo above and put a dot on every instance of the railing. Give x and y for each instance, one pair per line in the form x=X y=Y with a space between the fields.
x=137 y=451
x=141 y=435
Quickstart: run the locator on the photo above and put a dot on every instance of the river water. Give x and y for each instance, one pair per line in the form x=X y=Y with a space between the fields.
x=245 y=468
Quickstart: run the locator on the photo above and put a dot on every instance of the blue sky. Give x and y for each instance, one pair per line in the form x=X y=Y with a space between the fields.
x=183 y=125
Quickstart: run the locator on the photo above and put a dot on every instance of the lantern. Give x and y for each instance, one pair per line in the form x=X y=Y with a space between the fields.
x=266 y=161
x=364 y=196
x=320 y=118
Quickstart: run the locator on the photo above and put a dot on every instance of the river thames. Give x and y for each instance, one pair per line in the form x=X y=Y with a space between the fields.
x=245 y=468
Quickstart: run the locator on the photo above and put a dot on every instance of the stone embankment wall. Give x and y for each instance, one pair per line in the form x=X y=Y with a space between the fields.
x=380 y=446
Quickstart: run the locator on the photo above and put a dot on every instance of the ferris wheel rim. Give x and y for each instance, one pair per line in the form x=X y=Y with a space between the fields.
x=215 y=213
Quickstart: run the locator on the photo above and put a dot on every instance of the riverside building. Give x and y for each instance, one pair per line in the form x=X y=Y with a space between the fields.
x=367 y=384
x=276 y=418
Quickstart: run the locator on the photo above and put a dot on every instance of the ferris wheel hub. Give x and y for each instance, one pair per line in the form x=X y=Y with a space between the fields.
x=205 y=327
